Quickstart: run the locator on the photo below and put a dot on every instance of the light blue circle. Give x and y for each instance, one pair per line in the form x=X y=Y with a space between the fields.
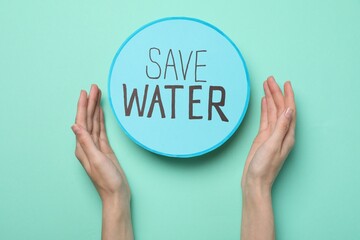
x=134 y=66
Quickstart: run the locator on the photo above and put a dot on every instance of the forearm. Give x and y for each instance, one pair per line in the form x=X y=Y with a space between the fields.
x=257 y=213
x=116 y=221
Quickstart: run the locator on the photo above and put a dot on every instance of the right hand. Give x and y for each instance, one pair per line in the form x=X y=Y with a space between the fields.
x=275 y=138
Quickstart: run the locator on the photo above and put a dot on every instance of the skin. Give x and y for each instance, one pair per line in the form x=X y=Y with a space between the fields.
x=270 y=148
x=100 y=163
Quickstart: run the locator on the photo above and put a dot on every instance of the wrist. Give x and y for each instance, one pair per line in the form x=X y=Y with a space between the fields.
x=115 y=201
x=255 y=188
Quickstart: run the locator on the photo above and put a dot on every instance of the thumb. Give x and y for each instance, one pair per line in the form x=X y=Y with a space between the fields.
x=85 y=140
x=282 y=126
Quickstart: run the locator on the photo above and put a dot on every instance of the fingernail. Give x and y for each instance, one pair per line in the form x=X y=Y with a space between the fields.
x=288 y=113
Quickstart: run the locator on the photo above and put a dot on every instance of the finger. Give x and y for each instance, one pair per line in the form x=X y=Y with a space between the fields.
x=288 y=144
x=289 y=140
x=102 y=126
x=85 y=141
x=96 y=121
x=92 y=100
x=277 y=95
x=81 y=109
x=81 y=120
x=289 y=95
x=104 y=142
x=263 y=116
x=282 y=127
x=290 y=102
x=271 y=107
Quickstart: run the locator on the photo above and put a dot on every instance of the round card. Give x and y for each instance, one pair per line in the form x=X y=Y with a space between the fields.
x=179 y=87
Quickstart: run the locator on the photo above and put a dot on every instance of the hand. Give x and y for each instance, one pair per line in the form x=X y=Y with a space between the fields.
x=93 y=149
x=100 y=163
x=275 y=138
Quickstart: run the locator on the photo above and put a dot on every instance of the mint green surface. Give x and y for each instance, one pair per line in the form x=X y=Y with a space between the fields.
x=49 y=50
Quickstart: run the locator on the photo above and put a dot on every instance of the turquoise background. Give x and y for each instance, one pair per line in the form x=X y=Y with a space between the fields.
x=49 y=50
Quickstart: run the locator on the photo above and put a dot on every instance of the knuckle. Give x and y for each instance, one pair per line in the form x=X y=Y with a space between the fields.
x=284 y=126
x=292 y=142
x=81 y=137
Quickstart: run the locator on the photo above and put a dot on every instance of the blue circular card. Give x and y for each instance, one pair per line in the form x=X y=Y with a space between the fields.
x=179 y=87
